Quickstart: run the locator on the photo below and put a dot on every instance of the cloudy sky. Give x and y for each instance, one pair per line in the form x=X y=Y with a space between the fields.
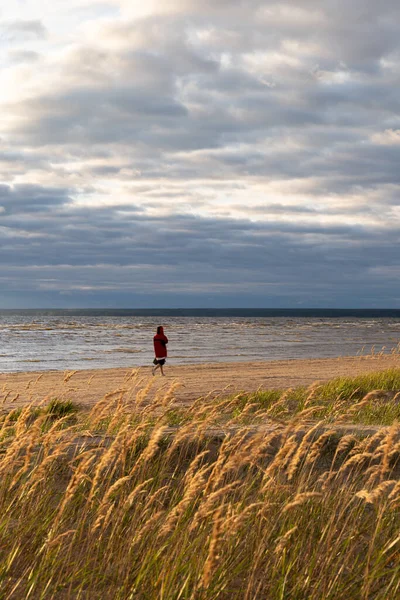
x=189 y=153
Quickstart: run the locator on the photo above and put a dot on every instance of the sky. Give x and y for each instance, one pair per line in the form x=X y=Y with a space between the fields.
x=190 y=153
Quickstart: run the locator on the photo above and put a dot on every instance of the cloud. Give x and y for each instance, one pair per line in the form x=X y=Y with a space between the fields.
x=26 y=199
x=23 y=56
x=51 y=245
x=225 y=145
x=22 y=30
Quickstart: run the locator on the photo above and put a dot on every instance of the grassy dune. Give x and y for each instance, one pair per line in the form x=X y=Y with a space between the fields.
x=141 y=500
x=372 y=399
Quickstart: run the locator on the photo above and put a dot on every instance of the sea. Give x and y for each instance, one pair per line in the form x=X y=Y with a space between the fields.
x=38 y=340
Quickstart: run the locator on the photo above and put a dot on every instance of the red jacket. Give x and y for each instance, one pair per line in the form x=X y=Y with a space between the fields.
x=160 y=344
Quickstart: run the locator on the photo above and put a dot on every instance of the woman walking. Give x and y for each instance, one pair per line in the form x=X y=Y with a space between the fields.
x=160 y=350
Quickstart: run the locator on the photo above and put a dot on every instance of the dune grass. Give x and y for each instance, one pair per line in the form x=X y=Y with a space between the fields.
x=372 y=399
x=293 y=512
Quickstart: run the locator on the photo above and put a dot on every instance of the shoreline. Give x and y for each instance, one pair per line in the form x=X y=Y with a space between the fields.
x=189 y=382
x=209 y=364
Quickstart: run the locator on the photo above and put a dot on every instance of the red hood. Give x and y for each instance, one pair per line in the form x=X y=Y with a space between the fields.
x=160 y=331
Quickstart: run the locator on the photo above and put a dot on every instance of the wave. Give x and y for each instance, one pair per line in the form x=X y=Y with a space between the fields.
x=30 y=360
x=123 y=350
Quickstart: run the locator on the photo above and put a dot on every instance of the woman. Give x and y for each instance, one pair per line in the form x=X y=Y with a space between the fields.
x=160 y=350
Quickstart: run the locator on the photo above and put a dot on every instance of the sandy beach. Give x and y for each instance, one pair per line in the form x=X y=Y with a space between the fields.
x=189 y=382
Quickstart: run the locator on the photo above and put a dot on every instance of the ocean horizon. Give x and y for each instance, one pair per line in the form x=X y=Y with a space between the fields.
x=223 y=312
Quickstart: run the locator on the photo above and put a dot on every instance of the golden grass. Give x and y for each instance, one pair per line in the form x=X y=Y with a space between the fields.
x=117 y=504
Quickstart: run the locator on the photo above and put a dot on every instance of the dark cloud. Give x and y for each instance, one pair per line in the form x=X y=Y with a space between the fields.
x=26 y=199
x=51 y=245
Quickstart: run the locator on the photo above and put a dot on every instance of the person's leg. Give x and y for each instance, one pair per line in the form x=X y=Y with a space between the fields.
x=162 y=370
x=155 y=368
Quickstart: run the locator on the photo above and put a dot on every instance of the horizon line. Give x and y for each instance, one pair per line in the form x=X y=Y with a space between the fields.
x=201 y=308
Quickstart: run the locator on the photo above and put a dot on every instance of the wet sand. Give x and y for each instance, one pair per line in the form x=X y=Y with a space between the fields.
x=190 y=382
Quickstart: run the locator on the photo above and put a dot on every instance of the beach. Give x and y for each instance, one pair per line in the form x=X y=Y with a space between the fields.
x=185 y=382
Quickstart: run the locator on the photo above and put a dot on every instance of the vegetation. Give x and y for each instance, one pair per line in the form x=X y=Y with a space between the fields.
x=372 y=399
x=165 y=504
x=60 y=408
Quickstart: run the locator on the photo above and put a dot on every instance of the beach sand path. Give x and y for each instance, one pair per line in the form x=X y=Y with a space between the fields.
x=190 y=382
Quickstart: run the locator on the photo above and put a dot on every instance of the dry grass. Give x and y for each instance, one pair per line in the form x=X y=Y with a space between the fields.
x=140 y=512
